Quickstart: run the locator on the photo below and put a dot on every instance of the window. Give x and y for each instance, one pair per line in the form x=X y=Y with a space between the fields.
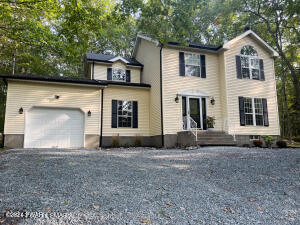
x=259 y=112
x=118 y=75
x=254 y=137
x=249 y=63
x=124 y=114
x=192 y=64
x=253 y=111
x=248 y=111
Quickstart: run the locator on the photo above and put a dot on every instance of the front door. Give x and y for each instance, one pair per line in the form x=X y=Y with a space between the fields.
x=193 y=112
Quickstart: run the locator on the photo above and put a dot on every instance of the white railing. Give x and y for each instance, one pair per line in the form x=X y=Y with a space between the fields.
x=189 y=124
x=229 y=124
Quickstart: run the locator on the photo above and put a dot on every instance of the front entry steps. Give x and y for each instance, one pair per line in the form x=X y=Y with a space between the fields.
x=205 y=138
x=215 y=138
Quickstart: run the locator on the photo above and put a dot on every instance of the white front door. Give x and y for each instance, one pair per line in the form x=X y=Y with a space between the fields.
x=193 y=112
x=54 y=128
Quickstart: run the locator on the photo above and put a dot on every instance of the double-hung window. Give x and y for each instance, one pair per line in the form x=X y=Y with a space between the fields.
x=253 y=111
x=192 y=64
x=250 y=67
x=118 y=74
x=125 y=113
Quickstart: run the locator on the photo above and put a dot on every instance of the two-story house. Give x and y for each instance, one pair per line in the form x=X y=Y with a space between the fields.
x=162 y=96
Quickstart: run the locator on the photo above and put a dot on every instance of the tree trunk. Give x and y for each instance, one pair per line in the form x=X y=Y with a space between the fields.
x=288 y=126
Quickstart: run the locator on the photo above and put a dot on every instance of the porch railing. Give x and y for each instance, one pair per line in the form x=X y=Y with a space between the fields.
x=192 y=125
x=229 y=124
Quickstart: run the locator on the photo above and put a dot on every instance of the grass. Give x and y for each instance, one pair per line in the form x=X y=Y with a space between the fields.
x=294 y=145
x=3 y=149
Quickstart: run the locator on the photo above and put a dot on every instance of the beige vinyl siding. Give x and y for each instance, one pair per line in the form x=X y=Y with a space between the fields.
x=149 y=55
x=223 y=90
x=28 y=94
x=100 y=71
x=174 y=84
x=141 y=95
x=251 y=88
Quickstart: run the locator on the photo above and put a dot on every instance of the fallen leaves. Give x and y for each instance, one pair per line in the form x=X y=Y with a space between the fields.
x=145 y=221
x=259 y=208
x=230 y=210
x=48 y=209
x=96 y=206
x=169 y=203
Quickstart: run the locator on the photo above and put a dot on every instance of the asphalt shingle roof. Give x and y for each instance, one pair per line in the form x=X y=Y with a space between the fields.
x=75 y=80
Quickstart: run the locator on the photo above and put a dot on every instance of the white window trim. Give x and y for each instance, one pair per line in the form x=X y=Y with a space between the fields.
x=185 y=64
x=250 y=67
x=124 y=116
x=252 y=139
x=112 y=74
x=253 y=113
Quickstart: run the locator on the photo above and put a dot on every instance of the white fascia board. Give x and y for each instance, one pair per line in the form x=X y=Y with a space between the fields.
x=118 y=58
x=227 y=45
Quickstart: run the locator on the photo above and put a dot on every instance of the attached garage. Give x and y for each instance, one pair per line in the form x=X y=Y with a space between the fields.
x=54 y=128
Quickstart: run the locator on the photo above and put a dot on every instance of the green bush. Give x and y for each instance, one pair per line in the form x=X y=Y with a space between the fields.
x=268 y=140
x=257 y=143
x=137 y=141
x=296 y=139
x=281 y=144
x=116 y=141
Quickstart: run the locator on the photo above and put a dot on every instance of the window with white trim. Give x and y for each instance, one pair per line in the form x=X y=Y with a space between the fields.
x=249 y=63
x=254 y=137
x=253 y=111
x=118 y=74
x=124 y=113
x=192 y=64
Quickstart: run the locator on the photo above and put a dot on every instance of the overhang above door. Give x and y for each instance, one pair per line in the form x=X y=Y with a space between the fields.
x=194 y=93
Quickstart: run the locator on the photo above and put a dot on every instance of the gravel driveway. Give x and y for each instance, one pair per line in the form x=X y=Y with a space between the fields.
x=212 y=185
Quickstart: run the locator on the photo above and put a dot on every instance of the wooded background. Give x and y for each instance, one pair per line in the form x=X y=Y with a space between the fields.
x=50 y=37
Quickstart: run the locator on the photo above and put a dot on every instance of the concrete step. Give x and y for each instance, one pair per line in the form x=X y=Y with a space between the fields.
x=216 y=144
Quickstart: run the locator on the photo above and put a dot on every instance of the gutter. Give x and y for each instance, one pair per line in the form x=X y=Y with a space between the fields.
x=161 y=97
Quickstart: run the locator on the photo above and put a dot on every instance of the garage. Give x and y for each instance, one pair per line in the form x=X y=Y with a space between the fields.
x=54 y=128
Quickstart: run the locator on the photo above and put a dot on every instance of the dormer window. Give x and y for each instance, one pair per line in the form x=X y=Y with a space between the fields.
x=249 y=66
x=118 y=74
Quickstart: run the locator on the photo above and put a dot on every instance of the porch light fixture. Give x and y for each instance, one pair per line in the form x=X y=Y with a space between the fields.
x=21 y=110
x=212 y=101
x=89 y=113
x=56 y=96
x=176 y=99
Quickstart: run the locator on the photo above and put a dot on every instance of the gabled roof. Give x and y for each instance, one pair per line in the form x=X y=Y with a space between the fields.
x=111 y=58
x=211 y=48
x=71 y=80
x=256 y=37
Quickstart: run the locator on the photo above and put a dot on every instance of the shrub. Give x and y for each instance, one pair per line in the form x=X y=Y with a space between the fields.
x=137 y=141
x=257 y=143
x=126 y=144
x=268 y=140
x=281 y=144
x=296 y=139
x=210 y=121
x=116 y=141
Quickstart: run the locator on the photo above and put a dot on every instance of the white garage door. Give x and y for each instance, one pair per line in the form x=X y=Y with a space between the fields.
x=54 y=128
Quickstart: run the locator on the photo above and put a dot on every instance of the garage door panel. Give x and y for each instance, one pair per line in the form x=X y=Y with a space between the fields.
x=53 y=127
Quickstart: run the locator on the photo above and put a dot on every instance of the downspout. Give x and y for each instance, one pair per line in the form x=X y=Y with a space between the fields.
x=161 y=98
x=101 y=119
x=93 y=70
